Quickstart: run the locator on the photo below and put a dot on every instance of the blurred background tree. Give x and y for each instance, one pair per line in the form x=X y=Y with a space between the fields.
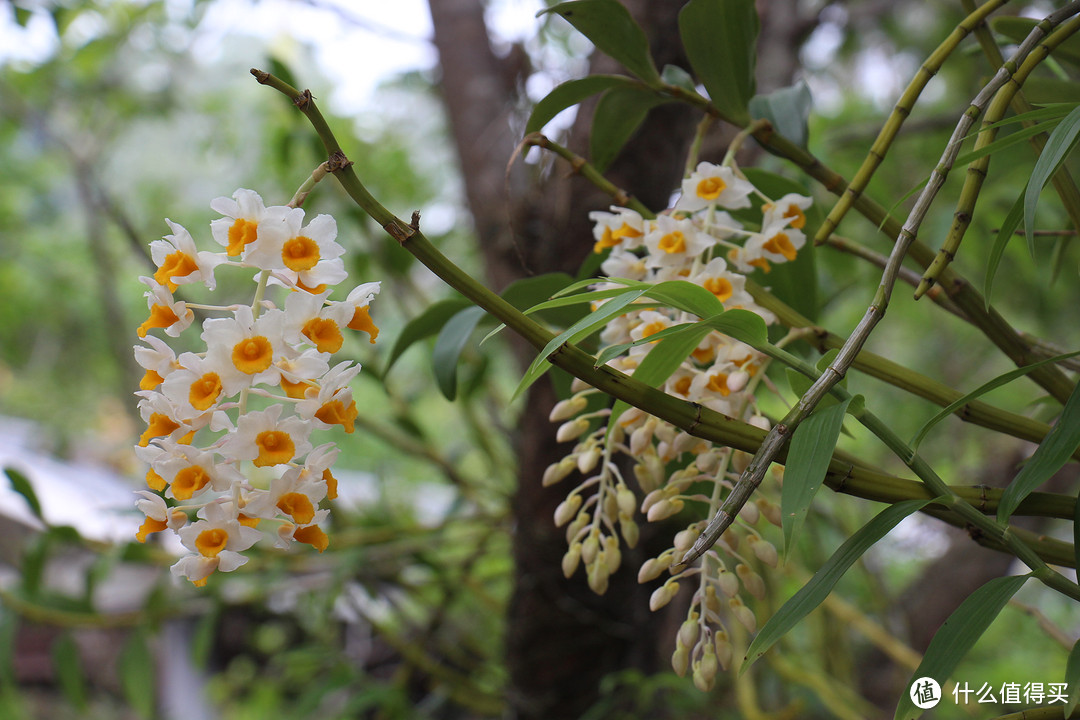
x=441 y=595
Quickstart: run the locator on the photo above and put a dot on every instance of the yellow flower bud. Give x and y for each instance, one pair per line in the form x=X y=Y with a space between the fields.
x=724 y=650
x=598 y=576
x=663 y=595
x=612 y=554
x=771 y=511
x=630 y=531
x=571 y=430
x=567 y=509
x=590 y=548
x=587 y=460
x=688 y=631
x=680 y=659
x=571 y=560
x=568 y=408
x=705 y=670
x=665 y=509
x=751 y=581
x=742 y=613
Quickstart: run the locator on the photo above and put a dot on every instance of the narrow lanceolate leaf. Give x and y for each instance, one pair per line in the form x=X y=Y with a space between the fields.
x=981 y=390
x=571 y=93
x=958 y=634
x=720 y=37
x=582 y=328
x=1005 y=233
x=451 y=341
x=424 y=325
x=814 y=592
x=618 y=115
x=1072 y=679
x=135 y=666
x=1054 y=451
x=21 y=485
x=1058 y=146
x=609 y=27
x=807 y=461
x=69 y=672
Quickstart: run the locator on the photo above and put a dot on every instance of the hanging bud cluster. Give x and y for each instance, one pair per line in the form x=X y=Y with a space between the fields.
x=699 y=241
x=230 y=428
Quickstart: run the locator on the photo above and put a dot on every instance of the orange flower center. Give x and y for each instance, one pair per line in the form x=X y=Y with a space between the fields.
x=720 y=287
x=211 y=542
x=189 y=481
x=241 y=234
x=673 y=242
x=297 y=506
x=710 y=188
x=324 y=334
x=301 y=253
x=177 y=264
x=275 y=447
x=205 y=391
x=252 y=355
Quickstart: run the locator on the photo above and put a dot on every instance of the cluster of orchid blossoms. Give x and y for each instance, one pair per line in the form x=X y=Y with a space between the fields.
x=229 y=430
x=701 y=242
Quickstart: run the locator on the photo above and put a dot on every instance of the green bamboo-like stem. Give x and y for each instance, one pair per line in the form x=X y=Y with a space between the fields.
x=846 y=475
x=961 y=291
x=1050 y=712
x=1063 y=181
x=582 y=167
x=976 y=411
x=944 y=496
x=907 y=275
x=971 y=303
x=863 y=482
x=900 y=113
x=778 y=437
x=995 y=111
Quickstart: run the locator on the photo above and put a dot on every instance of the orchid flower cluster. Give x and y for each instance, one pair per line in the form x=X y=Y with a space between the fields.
x=699 y=241
x=229 y=429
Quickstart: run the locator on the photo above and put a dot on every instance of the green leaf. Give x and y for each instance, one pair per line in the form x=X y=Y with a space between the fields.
x=958 y=634
x=609 y=26
x=1002 y=143
x=21 y=485
x=1058 y=146
x=661 y=362
x=448 y=346
x=135 y=665
x=720 y=37
x=1053 y=452
x=807 y=462
x=787 y=109
x=981 y=390
x=582 y=328
x=571 y=93
x=69 y=672
x=1005 y=234
x=675 y=75
x=1072 y=679
x=619 y=113
x=528 y=292
x=818 y=588
x=424 y=325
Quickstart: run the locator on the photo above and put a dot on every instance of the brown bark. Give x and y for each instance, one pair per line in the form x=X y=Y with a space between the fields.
x=562 y=639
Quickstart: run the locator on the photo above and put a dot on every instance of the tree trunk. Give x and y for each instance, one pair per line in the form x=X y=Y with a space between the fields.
x=562 y=639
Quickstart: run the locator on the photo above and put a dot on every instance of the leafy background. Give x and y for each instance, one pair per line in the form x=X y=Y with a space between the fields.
x=126 y=121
